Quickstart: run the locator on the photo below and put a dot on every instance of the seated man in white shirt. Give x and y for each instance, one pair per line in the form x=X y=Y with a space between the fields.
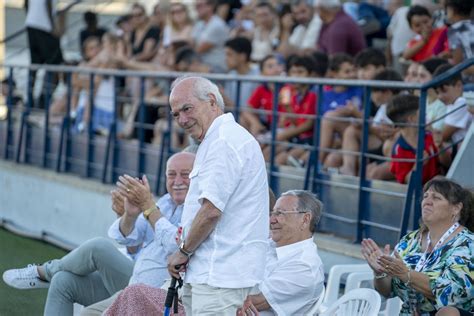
x=96 y=270
x=294 y=274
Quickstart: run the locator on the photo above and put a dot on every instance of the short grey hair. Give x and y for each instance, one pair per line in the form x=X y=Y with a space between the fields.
x=201 y=89
x=330 y=4
x=308 y=202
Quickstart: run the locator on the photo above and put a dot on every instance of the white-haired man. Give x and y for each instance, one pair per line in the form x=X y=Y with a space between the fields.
x=96 y=270
x=225 y=216
x=294 y=274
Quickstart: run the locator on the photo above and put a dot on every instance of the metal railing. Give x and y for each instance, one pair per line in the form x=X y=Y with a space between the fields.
x=314 y=177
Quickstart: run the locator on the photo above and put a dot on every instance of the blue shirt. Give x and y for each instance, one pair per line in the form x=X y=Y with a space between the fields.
x=333 y=100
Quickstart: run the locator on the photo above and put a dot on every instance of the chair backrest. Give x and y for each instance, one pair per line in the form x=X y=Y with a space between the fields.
x=358 y=302
x=355 y=280
x=315 y=309
x=334 y=279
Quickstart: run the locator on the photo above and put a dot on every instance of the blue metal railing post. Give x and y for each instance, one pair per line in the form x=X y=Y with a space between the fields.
x=237 y=101
x=115 y=143
x=8 y=134
x=273 y=170
x=317 y=132
x=47 y=97
x=90 y=128
x=363 y=194
x=111 y=137
x=165 y=149
x=407 y=208
x=420 y=148
x=24 y=115
x=64 y=136
x=141 y=129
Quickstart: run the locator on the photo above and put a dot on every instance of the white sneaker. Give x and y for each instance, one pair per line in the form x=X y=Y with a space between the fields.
x=24 y=279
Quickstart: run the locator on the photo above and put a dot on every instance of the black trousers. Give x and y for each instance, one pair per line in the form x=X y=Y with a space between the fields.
x=45 y=48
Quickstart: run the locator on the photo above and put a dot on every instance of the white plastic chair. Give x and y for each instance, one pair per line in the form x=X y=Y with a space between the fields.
x=314 y=310
x=334 y=279
x=358 y=302
x=355 y=280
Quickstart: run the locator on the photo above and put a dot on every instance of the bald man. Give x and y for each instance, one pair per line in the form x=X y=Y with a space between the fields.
x=92 y=273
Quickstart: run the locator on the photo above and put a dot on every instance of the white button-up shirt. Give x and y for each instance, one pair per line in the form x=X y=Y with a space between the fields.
x=229 y=171
x=294 y=278
x=156 y=245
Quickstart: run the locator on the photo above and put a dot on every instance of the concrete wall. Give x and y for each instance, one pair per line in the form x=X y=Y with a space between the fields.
x=42 y=203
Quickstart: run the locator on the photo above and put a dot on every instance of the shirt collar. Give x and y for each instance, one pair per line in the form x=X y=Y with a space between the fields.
x=286 y=251
x=459 y=102
x=218 y=121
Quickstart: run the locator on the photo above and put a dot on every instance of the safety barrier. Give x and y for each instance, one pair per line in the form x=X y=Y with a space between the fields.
x=105 y=158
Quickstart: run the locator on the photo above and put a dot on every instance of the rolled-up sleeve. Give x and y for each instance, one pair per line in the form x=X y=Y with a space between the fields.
x=141 y=233
x=165 y=233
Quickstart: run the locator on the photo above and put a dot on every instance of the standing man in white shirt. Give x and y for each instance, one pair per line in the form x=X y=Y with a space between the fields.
x=225 y=216
x=294 y=274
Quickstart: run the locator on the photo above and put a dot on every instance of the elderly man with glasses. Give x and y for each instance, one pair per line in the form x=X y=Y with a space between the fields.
x=294 y=274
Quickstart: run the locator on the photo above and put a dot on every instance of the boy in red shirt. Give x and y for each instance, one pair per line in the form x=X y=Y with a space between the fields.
x=403 y=109
x=428 y=42
x=295 y=99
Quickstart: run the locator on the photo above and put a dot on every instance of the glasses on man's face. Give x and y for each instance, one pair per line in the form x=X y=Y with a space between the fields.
x=280 y=214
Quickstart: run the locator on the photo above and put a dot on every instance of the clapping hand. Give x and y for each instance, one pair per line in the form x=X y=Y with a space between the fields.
x=117 y=202
x=394 y=266
x=371 y=252
x=136 y=191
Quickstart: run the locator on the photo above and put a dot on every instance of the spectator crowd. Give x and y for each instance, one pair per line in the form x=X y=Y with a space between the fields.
x=373 y=40
x=237 y=248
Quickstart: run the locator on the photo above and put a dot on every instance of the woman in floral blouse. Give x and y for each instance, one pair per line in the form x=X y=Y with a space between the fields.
x=433 y=266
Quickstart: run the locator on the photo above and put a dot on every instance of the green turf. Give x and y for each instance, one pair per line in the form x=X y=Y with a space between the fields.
x=17 y=252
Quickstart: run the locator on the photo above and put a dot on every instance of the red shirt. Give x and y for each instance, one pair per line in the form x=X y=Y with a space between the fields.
x=431 y=48
x=402 y=150
x=305 y=104
x=262 y=99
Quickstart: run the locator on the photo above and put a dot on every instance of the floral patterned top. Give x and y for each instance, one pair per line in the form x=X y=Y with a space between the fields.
x=450 y=269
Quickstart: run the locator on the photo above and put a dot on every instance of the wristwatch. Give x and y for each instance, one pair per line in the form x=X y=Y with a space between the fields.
x=184 y=251
x=148 y=212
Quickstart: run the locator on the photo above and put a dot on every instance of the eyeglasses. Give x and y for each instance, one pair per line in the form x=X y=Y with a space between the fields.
x=280 y=213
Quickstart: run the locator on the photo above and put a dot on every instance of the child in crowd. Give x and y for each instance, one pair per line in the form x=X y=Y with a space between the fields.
x=403 y=111
x=338 y=102
x=261 y=99
x=370 y=62
x=381 y=133
x=428 y=42
x=461 y=33
x=411 y=73
x=459 y=119
x=435 y=108
x=295 y=100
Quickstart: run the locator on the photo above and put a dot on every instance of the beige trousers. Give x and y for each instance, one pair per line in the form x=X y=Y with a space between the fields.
x=202 y=299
